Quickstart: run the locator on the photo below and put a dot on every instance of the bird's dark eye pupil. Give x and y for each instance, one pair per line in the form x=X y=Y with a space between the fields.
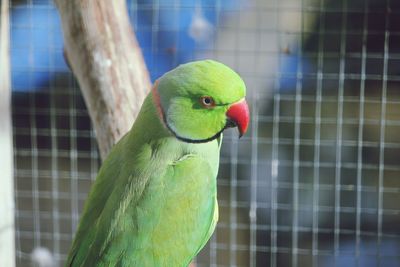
x=207 y=101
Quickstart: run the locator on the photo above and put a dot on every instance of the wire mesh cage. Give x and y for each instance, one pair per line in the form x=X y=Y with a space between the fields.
x=315 y=182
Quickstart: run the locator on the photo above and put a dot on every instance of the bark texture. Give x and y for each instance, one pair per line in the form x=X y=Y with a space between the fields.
x=103 y=53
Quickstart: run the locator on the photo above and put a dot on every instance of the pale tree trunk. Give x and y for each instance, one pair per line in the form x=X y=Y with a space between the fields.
x=7 y=238
x=104 y=55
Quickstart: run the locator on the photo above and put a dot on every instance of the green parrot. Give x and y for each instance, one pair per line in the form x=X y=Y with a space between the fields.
x=154 y=201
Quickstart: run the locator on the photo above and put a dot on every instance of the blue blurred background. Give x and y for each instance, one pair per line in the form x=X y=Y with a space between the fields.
x=182 y=30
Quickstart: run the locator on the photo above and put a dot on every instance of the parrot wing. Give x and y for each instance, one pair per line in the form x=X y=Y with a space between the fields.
x=99 y=211
x=111 y=222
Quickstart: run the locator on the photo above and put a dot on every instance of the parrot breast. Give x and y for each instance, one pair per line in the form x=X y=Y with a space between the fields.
x=177 y=211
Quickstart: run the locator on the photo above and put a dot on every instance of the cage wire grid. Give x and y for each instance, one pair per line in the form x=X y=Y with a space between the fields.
x=315 y=182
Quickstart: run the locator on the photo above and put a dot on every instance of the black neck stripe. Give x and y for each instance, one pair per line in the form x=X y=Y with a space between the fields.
x=195 y=141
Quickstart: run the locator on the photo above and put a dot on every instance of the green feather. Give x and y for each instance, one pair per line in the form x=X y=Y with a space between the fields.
x=154 y=202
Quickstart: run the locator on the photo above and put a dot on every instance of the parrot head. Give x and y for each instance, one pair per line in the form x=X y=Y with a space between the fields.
x=199 y=100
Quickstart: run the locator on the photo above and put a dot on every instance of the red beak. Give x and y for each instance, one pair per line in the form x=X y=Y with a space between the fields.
x=238 y=114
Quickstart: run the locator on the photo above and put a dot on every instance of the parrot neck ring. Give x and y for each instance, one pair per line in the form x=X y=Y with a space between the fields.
x=161 y=115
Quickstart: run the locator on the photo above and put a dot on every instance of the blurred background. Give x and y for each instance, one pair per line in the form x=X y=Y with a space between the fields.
x=315 y=182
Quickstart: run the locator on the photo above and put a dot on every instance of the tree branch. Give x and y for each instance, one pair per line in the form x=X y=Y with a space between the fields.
x=104 y=55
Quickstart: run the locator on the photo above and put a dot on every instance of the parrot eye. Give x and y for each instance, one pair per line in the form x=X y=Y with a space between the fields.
x=207 y=101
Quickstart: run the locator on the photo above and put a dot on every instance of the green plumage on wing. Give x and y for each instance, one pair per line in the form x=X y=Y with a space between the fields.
x=154 y=200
